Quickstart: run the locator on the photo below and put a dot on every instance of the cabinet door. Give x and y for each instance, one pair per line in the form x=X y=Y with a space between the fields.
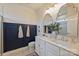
x=42 y=48
x=37 y=46
x=51 y=49
x=64 y=52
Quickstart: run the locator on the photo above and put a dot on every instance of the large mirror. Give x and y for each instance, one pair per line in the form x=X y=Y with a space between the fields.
x=67 y=17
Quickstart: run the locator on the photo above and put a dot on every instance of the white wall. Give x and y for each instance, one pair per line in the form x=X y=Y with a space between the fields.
x=0 y=35
x=19 y=14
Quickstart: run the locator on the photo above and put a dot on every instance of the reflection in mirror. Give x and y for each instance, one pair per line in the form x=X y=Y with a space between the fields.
x=67 y=17
x=63 y=25
x=47 y=20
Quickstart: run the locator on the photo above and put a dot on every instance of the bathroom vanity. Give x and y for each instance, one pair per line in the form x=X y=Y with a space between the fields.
x=45 y=46
x=60 y=46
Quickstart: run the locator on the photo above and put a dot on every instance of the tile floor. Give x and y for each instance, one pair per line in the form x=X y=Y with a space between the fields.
x=32 y=54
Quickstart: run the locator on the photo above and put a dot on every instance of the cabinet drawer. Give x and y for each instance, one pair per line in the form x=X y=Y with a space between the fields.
x=64 y=52
x=52 y=48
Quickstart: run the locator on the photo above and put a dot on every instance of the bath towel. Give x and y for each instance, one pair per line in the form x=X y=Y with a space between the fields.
x=20 y=33
x=28 y=32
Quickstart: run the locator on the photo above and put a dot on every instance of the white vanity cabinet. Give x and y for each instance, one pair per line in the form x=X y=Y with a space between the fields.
x=45 y=48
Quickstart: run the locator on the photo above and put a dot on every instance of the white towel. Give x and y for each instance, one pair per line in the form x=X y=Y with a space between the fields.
x=28 y=32
x=20 y=34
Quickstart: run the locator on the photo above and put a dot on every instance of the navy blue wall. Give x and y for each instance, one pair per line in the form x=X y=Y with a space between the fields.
x=11 y=40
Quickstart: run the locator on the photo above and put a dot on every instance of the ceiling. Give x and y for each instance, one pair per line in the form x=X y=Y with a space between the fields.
x=37 y=6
